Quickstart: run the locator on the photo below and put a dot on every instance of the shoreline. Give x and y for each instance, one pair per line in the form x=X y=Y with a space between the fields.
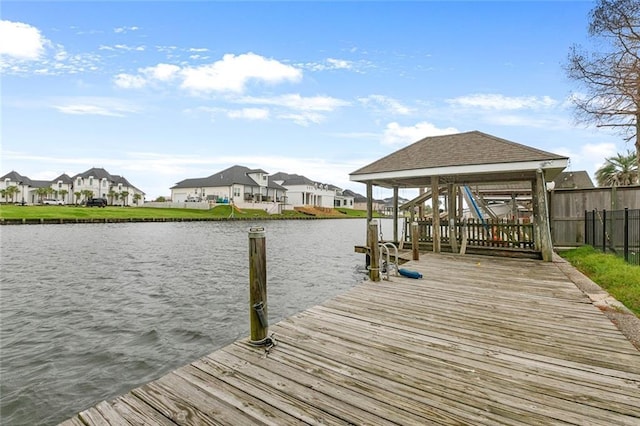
x=63 y=221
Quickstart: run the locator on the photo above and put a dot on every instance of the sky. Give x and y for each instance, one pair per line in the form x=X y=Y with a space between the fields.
x=163 y=91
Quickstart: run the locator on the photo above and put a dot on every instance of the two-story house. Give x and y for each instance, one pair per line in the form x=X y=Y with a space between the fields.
x=302 y=191
x=95 y=182
x=238 y=184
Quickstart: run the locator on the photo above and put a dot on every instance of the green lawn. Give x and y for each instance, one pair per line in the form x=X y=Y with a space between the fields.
x=610 y=272
x=11 y=211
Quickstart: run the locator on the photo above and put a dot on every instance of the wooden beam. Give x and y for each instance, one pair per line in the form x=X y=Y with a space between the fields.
x=372 y=242
x=451 y=214
x=436 y=213
x=395 y=214
x=546 y=246
x=415 y=241
x=369 y=201
x=535 y=209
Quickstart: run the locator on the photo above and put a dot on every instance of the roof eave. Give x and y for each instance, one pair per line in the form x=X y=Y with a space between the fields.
x=469 y=173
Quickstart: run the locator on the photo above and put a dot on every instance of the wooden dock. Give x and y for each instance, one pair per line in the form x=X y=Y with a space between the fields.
x=478 y=340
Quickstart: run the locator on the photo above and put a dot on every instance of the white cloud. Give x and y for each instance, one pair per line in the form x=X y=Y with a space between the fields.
x=385 y=104
x=336 y=64
x=501 y=102
x=128 y=81
x=232 y=73
x=161 y=72
x=109 y=107
x=80 y=109
x=249 y=113
x=303 y=118
x=395 y=134
x=21 y=41
x=297 y=102
x=121 y=30
x=123 y=47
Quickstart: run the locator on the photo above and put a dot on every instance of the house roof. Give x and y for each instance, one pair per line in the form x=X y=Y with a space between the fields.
x=232 y=175
x=16 y=177
x=293 y=179
x=460 y=158
x=64 y=178
x=96 y=172
x=573 y=180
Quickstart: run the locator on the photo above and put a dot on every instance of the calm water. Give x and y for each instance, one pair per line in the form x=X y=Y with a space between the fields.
x=88 y=312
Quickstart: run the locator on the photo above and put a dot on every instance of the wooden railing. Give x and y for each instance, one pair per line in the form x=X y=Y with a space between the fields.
x=487 y=233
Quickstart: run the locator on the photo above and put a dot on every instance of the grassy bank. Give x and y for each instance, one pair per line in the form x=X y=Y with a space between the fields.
x=610 y=272
x=10 y=211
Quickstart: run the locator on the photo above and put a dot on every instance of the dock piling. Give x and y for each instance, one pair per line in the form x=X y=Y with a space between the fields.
x=258 y=287
x=374 y=251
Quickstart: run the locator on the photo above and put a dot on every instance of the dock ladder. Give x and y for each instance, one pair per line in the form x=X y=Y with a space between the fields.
x=386 y=265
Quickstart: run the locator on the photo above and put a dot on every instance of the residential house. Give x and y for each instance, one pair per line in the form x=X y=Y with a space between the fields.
x=116 y=189
x=238 y=184
x=302 y=191
x=26 y=188
x=360 y=202
x=343 y=198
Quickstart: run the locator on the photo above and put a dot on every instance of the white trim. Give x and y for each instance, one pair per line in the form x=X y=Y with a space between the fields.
x=466 y=170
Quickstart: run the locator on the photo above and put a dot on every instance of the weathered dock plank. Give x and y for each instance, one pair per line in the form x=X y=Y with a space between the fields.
x=478 y=340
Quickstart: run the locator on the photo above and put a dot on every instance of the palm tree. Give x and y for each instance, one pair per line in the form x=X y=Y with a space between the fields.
x=41 y=193
x=63 y=193
x=136 y=198
x=113 y=195
x=77 y=194
x=621 y=170
x=124 y=195
x=12 y=191
x=87 y=193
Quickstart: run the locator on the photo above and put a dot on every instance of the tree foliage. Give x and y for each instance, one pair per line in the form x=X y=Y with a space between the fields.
x=611 y=75
x=621 y=170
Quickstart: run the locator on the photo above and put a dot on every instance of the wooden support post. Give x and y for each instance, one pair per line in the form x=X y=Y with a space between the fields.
x=374 y=251
x=258 y=286
x=415 y=241
x=435 y=203
x=546 y=246
x=421 y=205
x=451 y=214
x=395 y=215
x=535 y=211
x=369 y=202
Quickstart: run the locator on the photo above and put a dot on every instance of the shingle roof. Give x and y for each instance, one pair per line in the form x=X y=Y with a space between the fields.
x=459 y=149
x=64 y=178
x=16 y=177
x=293 y=179
x=232 y=175
x=579 y=179
x=96 y=172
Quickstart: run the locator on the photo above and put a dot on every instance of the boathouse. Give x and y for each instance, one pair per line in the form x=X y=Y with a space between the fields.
x=457 y=167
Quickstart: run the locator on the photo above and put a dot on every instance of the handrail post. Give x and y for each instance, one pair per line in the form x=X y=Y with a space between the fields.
x=258 y=286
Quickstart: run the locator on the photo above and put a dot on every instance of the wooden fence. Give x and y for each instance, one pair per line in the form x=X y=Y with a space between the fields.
x=567 y=207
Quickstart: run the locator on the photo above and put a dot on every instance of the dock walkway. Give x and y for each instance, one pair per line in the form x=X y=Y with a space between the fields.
x=478 y=340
